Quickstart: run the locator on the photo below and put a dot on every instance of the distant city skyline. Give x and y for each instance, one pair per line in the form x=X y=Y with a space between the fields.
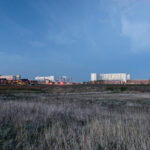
x=74 y=38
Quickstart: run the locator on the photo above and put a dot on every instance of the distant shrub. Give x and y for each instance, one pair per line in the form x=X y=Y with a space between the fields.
x=123 y=89
x=110 y=89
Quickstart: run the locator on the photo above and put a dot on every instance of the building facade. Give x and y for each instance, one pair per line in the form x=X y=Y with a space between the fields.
x=94 y=77
x=54 y=78
x=10 y=77
x=110 y=77
x=50 y=78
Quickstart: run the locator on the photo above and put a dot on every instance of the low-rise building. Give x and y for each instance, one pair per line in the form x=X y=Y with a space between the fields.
x=23 y=82
x=10 y=77
x=54 y=78
x=138 y=82
x=3 y=81
x=43 y=78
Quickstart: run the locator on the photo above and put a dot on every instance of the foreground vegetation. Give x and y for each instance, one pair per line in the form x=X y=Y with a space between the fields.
x=58 y=123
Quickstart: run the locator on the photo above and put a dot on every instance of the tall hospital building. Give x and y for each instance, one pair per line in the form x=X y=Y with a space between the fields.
x=110 y=77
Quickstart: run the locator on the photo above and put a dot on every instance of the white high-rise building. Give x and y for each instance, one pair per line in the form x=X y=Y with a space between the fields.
x=93 y=77
x=110 y=77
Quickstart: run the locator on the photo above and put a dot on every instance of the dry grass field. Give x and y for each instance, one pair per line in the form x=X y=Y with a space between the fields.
x=103 y=120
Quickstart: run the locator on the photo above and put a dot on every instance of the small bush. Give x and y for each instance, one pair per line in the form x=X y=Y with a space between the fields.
x=122 y=89
x=110 y=89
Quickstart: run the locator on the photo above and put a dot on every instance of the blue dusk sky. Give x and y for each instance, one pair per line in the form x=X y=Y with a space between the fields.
x=75 y=37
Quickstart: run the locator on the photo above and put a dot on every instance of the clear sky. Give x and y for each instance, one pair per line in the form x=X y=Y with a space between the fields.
x=75 y=37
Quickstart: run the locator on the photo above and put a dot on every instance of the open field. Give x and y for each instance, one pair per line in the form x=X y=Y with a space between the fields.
x=80 y=119
x=74 y=88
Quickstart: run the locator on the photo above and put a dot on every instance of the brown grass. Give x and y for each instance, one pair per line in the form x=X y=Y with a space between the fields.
x=43 y=125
